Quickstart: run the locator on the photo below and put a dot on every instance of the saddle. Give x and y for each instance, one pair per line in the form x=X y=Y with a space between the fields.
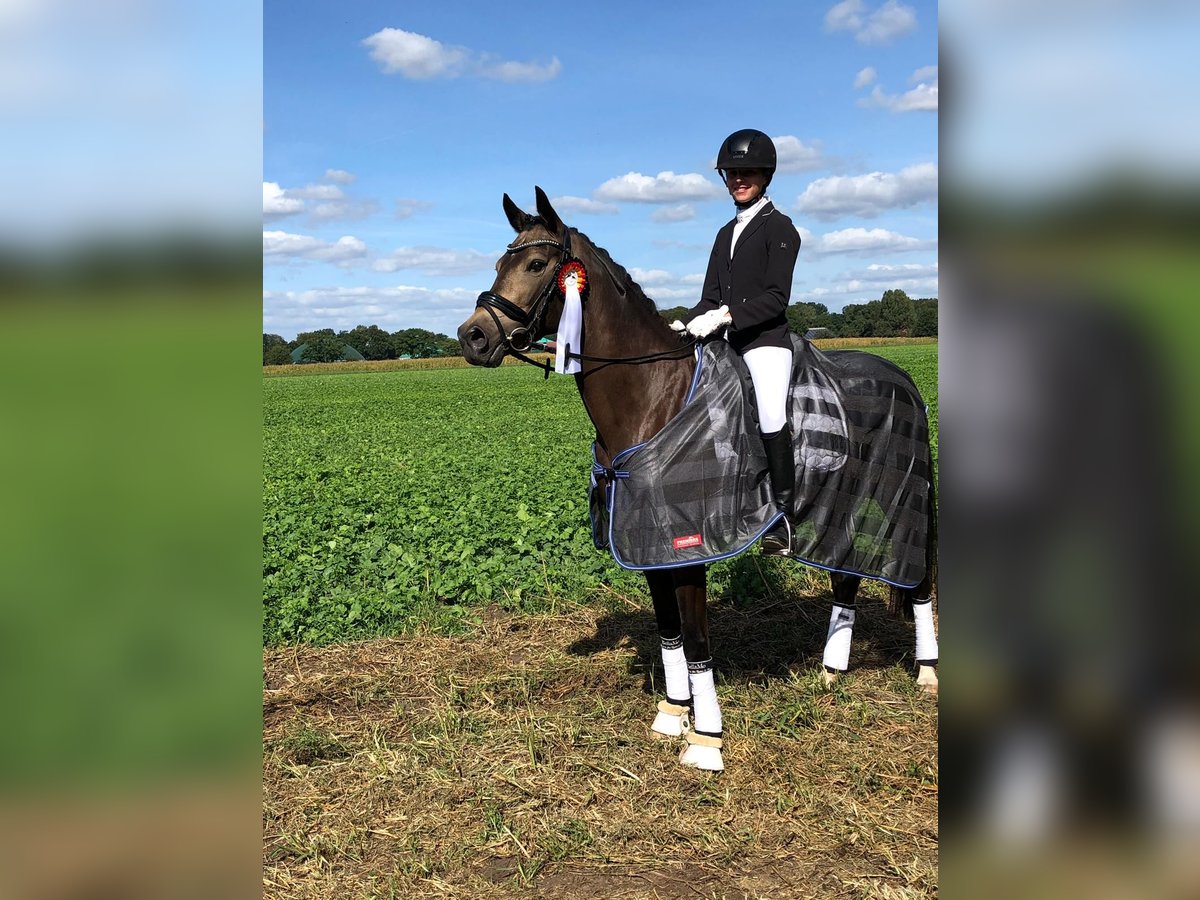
x=697 y=492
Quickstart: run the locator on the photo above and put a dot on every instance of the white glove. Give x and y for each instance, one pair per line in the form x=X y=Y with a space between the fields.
x=709 y=322
x=678 y=326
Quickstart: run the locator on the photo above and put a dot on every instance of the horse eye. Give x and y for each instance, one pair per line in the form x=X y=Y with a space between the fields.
x=537 y=265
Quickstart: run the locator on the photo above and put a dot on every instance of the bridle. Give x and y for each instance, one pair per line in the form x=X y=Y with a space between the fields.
x=532 y=321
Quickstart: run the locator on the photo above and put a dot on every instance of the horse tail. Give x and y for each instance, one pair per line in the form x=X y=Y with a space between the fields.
x=900 y=600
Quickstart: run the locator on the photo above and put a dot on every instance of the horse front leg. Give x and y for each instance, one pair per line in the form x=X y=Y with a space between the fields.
x=704 y=740
x=836 y=659
x=671 y=717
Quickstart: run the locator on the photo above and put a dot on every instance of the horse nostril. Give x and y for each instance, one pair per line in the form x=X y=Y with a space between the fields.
x=476 y=338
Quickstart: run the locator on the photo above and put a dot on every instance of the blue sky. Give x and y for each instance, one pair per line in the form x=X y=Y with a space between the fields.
x=392 y=130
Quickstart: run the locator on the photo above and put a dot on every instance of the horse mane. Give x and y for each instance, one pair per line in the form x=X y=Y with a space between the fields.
x=630 y=288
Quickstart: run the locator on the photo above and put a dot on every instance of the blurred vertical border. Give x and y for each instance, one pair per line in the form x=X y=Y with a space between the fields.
x=130 y=309
x=1069 y=217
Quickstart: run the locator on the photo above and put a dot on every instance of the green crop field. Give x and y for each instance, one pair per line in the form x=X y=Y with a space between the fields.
x=413 y=498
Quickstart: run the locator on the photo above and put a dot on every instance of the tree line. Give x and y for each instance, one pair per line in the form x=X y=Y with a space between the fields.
x=895 y=314
x=371 y=341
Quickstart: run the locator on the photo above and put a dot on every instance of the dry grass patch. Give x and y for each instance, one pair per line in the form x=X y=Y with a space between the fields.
x=518 y=761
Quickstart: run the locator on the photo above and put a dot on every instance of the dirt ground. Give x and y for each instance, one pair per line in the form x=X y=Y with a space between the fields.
x=518 y=762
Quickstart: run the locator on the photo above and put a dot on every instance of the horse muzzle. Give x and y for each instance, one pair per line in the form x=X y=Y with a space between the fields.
x=480 y=346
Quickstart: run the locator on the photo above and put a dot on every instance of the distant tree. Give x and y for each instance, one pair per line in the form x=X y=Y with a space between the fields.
x=925 y=323
x=804 y=315
x=416 y=342
x=675 y=312
x=371 y=341
x=278 y=354
x=323 y=346
x=861 y=319
x=271 y=341
x=896 y=313
x=448 y=346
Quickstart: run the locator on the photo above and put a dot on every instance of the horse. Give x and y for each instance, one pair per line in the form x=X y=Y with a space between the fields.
x=633 y=379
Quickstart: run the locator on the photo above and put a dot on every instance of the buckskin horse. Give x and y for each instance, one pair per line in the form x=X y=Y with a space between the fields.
x=634 y=378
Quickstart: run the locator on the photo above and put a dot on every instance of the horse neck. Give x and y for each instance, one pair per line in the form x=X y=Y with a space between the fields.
x=628 y=403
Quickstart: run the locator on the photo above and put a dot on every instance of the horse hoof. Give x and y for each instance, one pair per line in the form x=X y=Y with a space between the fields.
x=671 y=720
x=927 y=680
x=830 y=678
x=702 y=752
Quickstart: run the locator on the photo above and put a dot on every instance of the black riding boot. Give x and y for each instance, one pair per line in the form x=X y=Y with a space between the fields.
x=782 y=469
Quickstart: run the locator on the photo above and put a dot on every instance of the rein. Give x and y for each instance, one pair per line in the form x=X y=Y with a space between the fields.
x=520 y=339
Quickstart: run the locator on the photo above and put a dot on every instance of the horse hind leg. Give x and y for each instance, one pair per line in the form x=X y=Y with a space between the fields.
x=927 y=646
x=836 y=659
x=916 y=605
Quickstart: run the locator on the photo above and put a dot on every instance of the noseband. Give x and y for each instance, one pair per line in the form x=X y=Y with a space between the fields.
x=530 y=321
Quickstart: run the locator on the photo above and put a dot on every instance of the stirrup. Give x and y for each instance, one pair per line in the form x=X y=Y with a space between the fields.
x=772 y=541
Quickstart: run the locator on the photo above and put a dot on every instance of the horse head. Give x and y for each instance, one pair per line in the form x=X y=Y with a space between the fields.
x=524 y=303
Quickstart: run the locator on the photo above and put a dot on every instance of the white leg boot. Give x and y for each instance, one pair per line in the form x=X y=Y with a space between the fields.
x=837 y=643
x=927 y=647
x=671 y=721
x=702 y=752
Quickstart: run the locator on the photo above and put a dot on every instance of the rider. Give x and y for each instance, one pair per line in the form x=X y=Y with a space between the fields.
x=746 y=291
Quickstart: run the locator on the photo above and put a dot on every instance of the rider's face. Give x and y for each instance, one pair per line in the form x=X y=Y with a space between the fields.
x=745 y=185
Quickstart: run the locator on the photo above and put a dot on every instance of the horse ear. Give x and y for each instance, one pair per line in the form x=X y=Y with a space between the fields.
x=517 y=218
x=546 y=211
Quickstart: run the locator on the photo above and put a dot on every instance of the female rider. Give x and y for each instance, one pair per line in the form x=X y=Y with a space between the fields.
x=746 y=291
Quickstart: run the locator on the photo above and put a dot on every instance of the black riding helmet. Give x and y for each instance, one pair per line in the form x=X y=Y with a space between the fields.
x=747 y=149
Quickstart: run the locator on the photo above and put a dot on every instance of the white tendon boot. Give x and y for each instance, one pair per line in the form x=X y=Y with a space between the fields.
x=837 y=643
x=927 y=648
x=671 y=720
x=703 y=751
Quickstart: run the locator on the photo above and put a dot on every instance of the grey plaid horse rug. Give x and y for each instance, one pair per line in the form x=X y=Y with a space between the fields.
x=697 y=492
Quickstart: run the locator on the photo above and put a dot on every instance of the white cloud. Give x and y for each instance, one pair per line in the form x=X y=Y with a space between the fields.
x=583 y=205
x=520 y=71
x=925 y=73
x=419 y=57
x=795 y=156
x=651 y=277
x=845 y=16
x=341 y=176
x=342 y=209
x=391 y=308
x=435 y=261
x=921 y=99
x=864 y=241
x=665 y=187
x=317 y=192
x=277 y=203
x=283 y=246
x=415 y=55
x=869 y=195
x=864 y=77
x=683 y=212
x=406 y=208
x=890 y=21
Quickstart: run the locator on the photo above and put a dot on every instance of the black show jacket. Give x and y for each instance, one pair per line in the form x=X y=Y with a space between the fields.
x=756 y=283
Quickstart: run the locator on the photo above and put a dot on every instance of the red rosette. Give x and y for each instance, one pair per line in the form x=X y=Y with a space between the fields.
x=573 y=267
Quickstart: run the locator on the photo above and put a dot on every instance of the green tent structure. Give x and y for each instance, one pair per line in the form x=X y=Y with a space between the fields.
x=348 y=353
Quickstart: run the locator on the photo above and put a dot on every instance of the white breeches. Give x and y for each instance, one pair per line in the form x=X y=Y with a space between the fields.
x=771 y=371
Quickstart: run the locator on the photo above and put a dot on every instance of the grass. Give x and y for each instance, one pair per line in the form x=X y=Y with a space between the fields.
x=518 y=760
